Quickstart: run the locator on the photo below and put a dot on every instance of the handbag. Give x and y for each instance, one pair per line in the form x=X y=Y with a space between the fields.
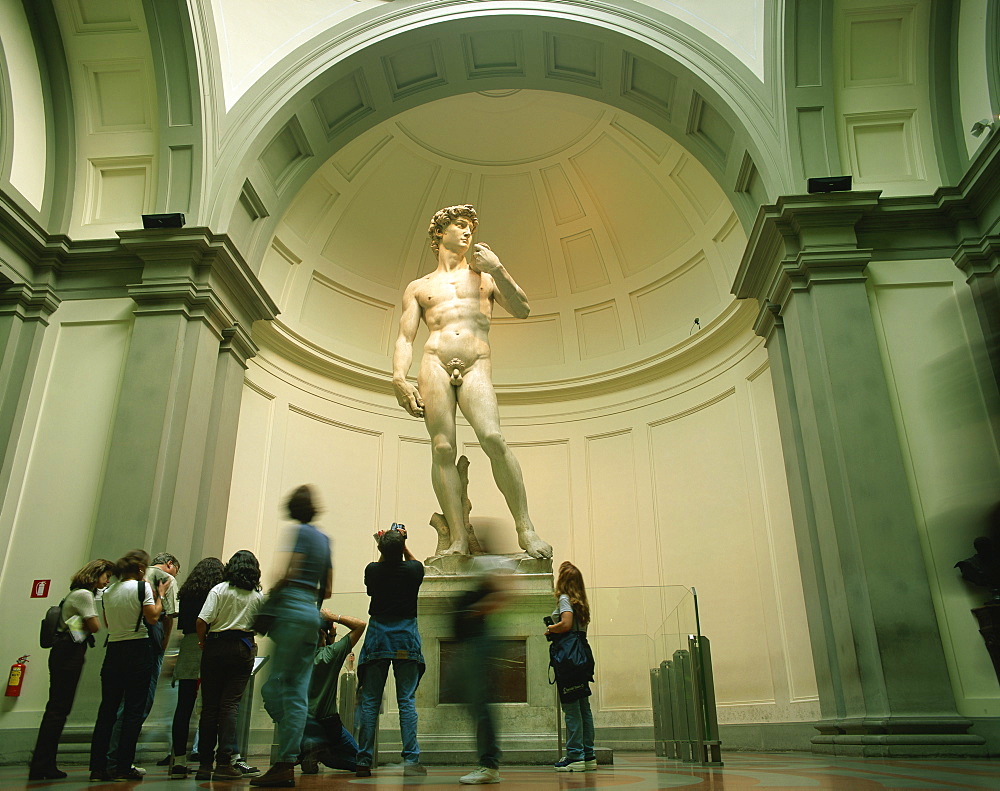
x=263 y=621
x=572 y=660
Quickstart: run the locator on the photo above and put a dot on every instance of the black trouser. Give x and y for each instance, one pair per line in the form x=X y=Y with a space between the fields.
x=65 y=666
x=225 y=669
x=124 y=679
x=187 y=694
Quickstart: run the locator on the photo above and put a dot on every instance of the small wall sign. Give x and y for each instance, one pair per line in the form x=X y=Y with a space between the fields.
x=40 y=589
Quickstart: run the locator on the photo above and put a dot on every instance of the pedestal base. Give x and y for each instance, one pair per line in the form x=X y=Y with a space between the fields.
x=900 y=737
x=528 y=730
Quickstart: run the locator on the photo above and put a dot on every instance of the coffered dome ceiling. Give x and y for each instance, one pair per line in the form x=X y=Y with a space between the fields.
x=619 y=237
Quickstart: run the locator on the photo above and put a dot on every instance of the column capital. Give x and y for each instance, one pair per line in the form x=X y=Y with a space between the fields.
x=803 y=239
x=977 y=257
x=236 y=340
x=29 y=303
x=196 y=267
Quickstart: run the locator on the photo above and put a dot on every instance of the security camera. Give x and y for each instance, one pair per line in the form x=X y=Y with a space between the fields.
x=981 y=126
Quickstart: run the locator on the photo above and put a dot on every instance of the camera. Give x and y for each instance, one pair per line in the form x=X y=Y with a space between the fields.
x=549 y=620
x=397 y=526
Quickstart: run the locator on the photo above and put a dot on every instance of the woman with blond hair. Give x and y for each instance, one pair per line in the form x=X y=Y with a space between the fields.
x=66 y=658
x=572 y=613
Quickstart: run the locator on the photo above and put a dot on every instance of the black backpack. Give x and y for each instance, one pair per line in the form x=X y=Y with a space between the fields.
x=53 y=627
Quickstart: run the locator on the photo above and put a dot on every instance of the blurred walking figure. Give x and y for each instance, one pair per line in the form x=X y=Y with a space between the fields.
x=225 y=634
x=476 y=649
x=295 y=601
x=572 y=614
x=206 y=574
x=66 y=658
x=392 y=583
x=128 y=605
x=326 y=739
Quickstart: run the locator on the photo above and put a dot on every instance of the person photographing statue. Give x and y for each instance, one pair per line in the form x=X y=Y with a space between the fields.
x=456 y=301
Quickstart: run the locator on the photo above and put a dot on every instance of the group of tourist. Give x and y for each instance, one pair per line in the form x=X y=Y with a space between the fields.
x=220 y=608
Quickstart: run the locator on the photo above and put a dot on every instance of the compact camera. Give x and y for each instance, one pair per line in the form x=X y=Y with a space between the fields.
x=397 y=526
x=549 y=620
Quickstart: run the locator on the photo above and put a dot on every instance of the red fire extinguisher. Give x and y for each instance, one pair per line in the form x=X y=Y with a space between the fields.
x=16 y=677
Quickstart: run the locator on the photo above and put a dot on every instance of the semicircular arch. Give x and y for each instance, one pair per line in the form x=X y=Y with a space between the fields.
x=338 y=86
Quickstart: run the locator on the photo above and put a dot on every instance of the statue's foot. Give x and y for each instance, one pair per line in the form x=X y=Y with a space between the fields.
x=532 y=543
x=456 y=548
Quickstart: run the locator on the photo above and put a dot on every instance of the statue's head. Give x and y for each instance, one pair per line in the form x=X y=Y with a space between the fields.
x=445 y=217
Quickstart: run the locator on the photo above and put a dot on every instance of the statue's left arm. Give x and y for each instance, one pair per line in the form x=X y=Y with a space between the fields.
x=505 y=291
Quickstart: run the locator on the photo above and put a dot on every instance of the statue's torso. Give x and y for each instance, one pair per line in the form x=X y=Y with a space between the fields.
x=457 y=308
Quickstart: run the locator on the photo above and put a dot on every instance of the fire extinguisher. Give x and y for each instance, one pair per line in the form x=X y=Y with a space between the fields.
x=16 y=677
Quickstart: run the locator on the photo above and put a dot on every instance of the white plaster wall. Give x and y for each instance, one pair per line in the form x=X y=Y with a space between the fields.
x=58 y=470
x=676 y=483
x=254 y=35
x=931 y=343
x=27 y=126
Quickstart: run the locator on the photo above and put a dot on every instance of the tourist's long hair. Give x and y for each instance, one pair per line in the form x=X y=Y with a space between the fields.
x=243 y=571
x=206 y=574
x=90 y=575
x=132 y=565
x=570 y=582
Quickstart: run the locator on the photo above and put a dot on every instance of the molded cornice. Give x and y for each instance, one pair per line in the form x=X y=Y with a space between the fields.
x=194 y=266
x=806 y=239
x=192 y=270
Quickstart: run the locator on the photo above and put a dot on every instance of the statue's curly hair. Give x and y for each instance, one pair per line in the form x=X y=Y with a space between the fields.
x=445 y=217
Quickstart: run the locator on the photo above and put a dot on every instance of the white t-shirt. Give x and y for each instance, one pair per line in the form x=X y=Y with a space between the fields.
x=120 y=603
x=228 y=607
x=79 y=602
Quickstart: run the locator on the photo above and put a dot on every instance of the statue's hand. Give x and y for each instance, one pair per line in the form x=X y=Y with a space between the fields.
x=484 y=259
x=409 y=398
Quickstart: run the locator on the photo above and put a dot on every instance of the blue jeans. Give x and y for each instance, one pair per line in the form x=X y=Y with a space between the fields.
x=286 y=692
x=579 y=730
x=332 y=742
x=373 y=675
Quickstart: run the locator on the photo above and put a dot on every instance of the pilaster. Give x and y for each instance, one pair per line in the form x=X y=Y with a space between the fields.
x=24 y=314
x=979 y=259
x=870 y=608
x=169 y=467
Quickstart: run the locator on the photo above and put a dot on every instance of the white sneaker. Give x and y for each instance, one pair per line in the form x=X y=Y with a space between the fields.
x=481 y=776
x=591 y=765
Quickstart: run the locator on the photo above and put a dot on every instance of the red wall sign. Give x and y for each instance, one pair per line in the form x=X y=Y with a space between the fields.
x=40 y=589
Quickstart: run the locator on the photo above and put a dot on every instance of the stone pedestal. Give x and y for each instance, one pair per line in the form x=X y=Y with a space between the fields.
x=528 y=731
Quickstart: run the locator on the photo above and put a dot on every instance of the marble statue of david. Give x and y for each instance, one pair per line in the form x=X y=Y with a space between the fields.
x=456 y=302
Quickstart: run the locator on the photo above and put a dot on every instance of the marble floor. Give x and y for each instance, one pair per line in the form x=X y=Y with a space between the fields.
x=632 y=771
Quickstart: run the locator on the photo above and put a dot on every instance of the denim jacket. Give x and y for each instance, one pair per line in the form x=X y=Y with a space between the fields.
x=391 y=639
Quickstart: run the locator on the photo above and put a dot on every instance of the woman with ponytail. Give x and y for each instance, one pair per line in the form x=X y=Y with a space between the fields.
x=572 y=613
x=127 y=606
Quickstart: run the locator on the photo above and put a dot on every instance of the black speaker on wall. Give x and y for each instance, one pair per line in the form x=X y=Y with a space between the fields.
x=173 y=220
x=829 y=184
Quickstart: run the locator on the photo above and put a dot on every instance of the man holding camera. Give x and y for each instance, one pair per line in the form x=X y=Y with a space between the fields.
x=392 y=583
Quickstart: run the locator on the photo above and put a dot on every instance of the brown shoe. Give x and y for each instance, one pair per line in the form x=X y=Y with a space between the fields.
x=227 y=772
x=281 y=775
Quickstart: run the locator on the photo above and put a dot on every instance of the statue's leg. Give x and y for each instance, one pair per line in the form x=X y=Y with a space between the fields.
x=439 y=416
x=479 y=405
